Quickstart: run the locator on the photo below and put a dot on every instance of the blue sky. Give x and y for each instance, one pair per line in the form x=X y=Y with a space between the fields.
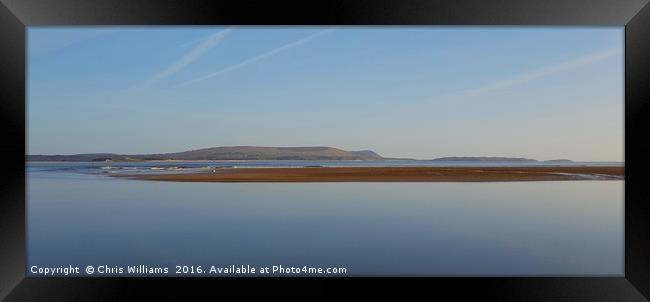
x=420 y=92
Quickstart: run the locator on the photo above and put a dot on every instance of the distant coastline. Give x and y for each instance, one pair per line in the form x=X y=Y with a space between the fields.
x=455 y=169
x=240 y=153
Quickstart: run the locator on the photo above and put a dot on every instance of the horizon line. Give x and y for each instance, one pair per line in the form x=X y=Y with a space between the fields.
x=367 y=149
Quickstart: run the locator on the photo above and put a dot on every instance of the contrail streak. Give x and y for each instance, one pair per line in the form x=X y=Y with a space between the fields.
x=258 y=57
x=191 y=56
x=540 y=72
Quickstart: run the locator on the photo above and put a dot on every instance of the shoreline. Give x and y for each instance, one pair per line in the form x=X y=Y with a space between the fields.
x=390 y=174
x=517 y=164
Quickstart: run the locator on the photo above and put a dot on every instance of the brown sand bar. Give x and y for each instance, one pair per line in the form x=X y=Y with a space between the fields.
x=392 y=174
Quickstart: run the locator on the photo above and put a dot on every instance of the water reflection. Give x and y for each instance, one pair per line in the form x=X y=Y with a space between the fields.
x=507 y=228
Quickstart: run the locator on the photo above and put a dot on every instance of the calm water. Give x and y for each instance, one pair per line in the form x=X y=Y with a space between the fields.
x=78 y=216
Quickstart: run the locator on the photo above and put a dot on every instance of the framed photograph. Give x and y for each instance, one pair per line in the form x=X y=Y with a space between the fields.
x=490 y=148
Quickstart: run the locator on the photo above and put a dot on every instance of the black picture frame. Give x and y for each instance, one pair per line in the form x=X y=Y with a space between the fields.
x=16 y=15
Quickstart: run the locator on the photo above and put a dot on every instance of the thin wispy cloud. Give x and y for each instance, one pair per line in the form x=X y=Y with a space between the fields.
x=259 y=57
x=191 y=56
x=539 y=73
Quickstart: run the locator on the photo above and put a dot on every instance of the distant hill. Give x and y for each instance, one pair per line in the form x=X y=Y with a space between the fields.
x=486 y=158
x=558 y=161
x=265 y=153
x=225 y=153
